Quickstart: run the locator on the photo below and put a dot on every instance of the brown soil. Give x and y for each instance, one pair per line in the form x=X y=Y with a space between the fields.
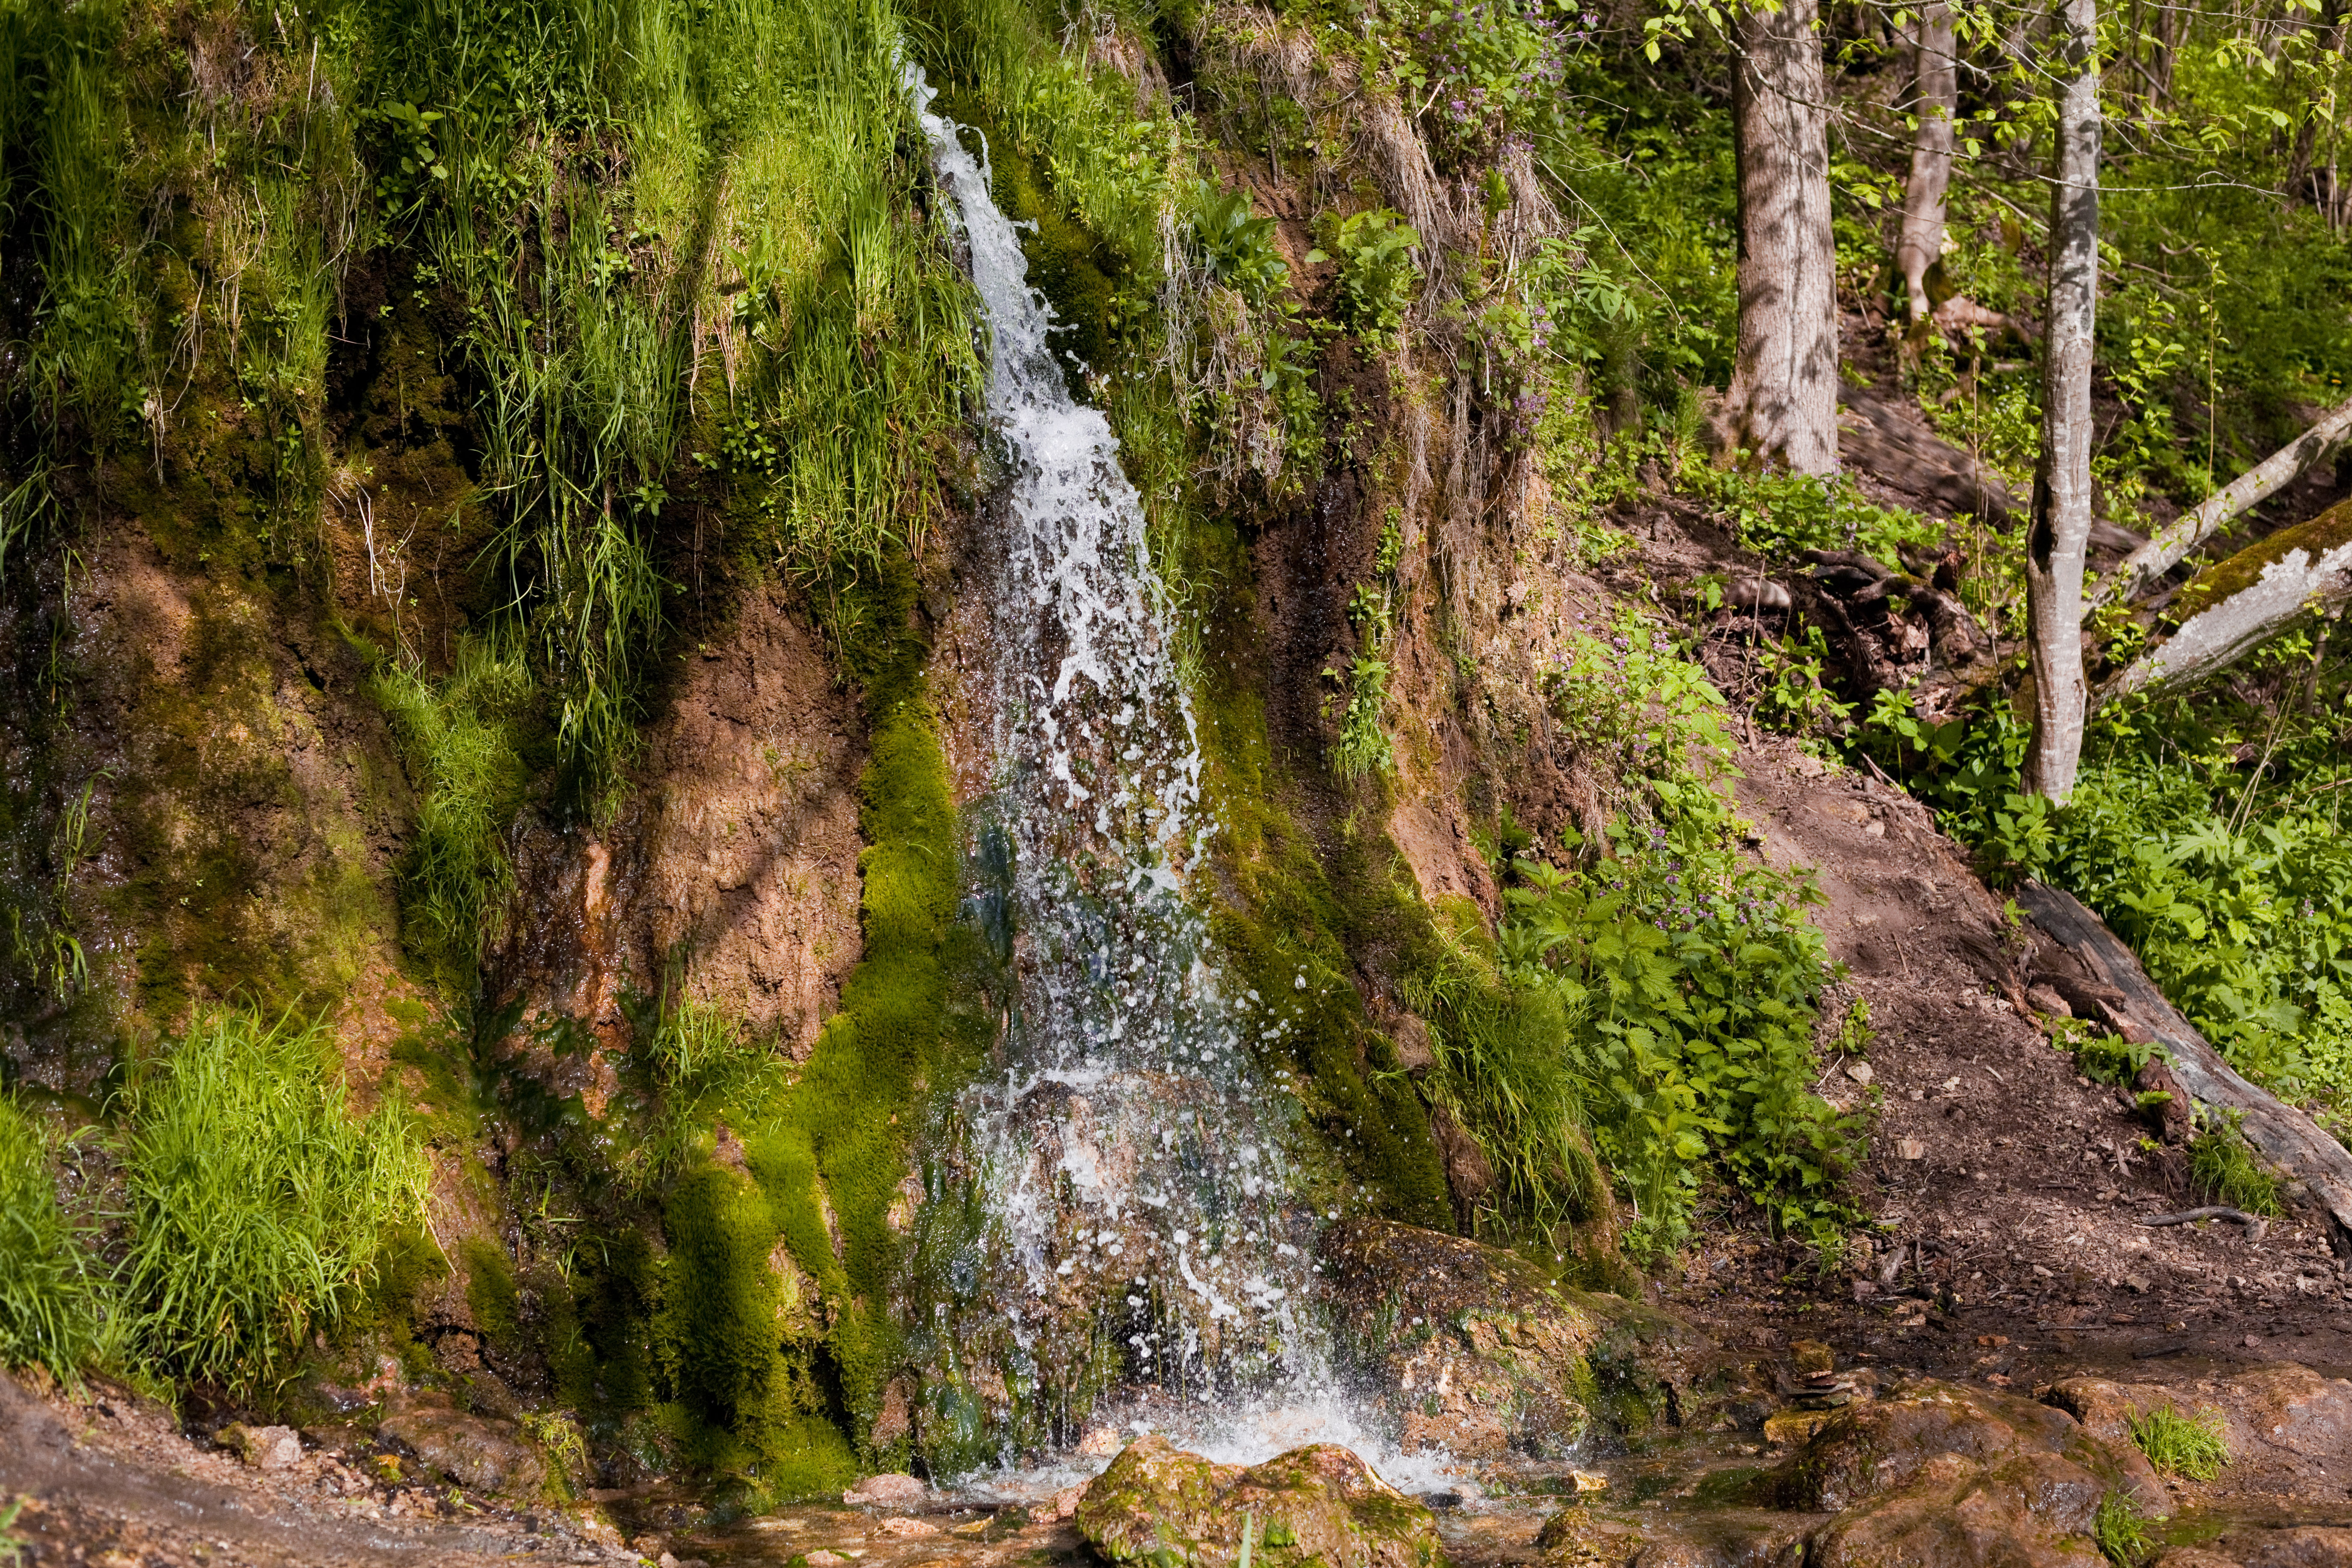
x=737 y=860
x=2027 y=1182
x=107 y=1479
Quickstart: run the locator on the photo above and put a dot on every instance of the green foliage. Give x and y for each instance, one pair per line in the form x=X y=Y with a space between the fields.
x=1491 y=69
x=753 y=207
x=1688 y=981
x=1363 y=747
x=1796 y=698
x=2120 y=1530
x=2177 y=1445
x=459 y=735
x=257 y=1204
x=1646 y=719
x=2221 y=1163
x=1238 y=248
x=47 y=1307
x=1778 y=512
x=1378 y=273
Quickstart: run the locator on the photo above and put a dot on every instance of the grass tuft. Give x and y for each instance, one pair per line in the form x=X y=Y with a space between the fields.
x=2220 y=1162
x=2179 y=1445
x=45 y=1303
x=2120 y=1530
x=257 y=1203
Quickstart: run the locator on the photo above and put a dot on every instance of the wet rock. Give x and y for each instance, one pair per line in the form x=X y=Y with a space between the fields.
x=1321 y=1503
x=1867 y=1449
x=887 y=1491
x=1579 y=1537
x=2281 y=1416
x=2260 y=1546
x=479 y=1453
x=1476 y=1351
x=263 y=1448
x=2033 y=1511
x=899 y=1527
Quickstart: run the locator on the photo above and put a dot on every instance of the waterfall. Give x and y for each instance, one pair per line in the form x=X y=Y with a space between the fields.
x=1144 y=1252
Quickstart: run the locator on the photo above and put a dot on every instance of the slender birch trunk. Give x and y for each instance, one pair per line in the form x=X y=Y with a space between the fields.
x=1783 y=397
x=1937 y=74
x=2061 y=528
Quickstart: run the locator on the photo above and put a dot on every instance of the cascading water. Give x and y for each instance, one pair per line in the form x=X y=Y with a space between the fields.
x=1141 y=1250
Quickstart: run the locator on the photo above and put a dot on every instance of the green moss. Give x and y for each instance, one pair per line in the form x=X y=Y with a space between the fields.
x=2237 y=572
x=490 y=1289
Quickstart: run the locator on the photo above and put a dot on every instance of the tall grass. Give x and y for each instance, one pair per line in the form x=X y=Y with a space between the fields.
x=665 y=218
x=458 y=736
x=62 y=120
x=257 y=1203
x=45 y=1300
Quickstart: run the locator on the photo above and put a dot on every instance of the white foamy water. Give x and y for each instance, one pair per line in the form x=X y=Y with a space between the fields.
x=1145 y=1254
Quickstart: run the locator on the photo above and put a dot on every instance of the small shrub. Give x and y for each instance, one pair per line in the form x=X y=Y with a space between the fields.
x=1377 y=271
x=1364 y=745
x=1237 y=246
x=2179 y=1445
x=46 y=1315
x=2220 y=1162
x=1644 y=715
x=257 y=1203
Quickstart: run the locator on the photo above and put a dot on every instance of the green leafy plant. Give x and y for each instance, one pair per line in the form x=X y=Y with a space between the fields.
x=1645 y=717
x=1238 y=246
x=1378 y=273
x=257 y=1204
x=46 y=1302
x=1686 y=982
x=2192 y=1446
x=1363 y=746
x=1796 y=698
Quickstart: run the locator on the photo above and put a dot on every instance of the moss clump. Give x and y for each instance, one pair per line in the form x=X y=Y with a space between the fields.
x=753 y=1394
x=491 y=1294
x=2235 y=573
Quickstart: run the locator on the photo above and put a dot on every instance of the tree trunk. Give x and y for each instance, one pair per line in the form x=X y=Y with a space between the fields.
x=1783 y=398
x=2286 y=1139
x=2236 y=605
x=1938 y=103
x=2060 y=530
x=2171 y=543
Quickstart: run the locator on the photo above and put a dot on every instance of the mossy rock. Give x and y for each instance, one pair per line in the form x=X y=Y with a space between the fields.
x=1319 y=1504
x=1927 y=1426
x=1480 y=1352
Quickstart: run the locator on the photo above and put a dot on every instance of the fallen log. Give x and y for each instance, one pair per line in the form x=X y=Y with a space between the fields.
x=2237 y=604
x=1898 y=447
x=2170 y=544
x=2284 y=1137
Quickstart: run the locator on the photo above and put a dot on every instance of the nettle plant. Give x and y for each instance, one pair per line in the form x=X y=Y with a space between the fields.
x=1688 y=978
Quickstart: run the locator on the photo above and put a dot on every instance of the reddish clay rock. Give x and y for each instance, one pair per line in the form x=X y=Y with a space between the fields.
x=2282 y=1421
x=1319 y=1504
x=1868 y=1449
